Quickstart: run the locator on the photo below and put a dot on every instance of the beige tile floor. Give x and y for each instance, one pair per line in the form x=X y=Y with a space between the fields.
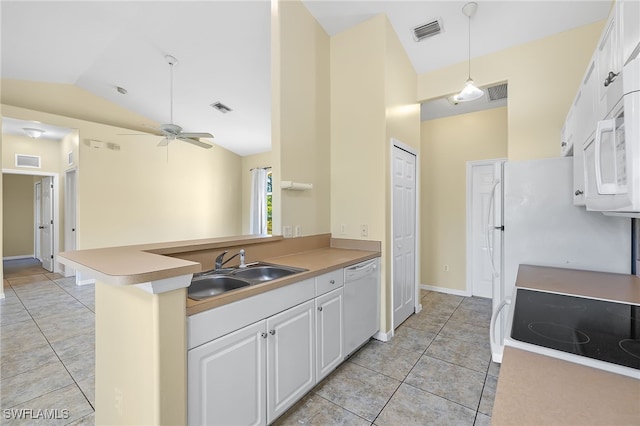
x=436 y=370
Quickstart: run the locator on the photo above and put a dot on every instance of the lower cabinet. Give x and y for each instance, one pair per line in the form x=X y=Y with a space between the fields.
x=329 y=348
x=253 y=375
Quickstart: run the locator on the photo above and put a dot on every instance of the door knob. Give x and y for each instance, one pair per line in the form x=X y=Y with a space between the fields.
x=272 y=332
x=612 y=76
x=320 y=308
x=40 y=227
x=578 y=192
x=263 y=335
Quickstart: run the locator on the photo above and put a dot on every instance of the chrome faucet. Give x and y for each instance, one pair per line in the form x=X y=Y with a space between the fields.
x=220 y=262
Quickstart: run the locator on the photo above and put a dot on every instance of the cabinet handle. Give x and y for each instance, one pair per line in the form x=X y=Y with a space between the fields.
x=612 y=76
x=332 y=282
x=578 y=192
x=263 y=335
x=320 y=308
x=272 y=332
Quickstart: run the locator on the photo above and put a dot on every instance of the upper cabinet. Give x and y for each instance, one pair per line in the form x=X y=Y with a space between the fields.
x=628 y=17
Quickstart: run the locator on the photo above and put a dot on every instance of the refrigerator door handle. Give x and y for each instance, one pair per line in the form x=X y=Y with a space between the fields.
x=492 y=326
x=491 y=227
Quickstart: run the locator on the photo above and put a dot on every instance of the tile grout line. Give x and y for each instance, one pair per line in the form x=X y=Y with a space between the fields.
x=53 y=350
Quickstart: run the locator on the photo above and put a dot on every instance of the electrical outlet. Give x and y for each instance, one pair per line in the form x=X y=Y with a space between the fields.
x=445 y=268
x=298 y=231
x=118 y=401
x=343 y=229
x=364 y=230
x=286 y=231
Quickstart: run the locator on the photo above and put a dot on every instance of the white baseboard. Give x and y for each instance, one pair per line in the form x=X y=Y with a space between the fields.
x=24 y=256
x=445 y=290
x=80 y=280
x=418 y=308
x=382 y=336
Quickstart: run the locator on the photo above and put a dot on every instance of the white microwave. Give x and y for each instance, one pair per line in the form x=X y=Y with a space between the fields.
x=612 y=153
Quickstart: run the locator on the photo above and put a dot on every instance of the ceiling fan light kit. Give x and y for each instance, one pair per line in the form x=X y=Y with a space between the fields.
x=470 y=92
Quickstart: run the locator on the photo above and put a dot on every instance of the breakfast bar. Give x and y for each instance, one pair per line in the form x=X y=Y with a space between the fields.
x=142 y=309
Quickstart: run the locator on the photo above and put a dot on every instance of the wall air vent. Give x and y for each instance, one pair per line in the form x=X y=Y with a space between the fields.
x=427 y=30
x=31 y=161
x=497 y=92
x=221 y=107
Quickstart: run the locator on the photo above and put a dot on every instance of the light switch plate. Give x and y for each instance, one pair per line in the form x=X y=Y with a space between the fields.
x=286 y=231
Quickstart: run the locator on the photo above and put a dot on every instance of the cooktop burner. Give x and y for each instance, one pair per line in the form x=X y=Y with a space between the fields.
x=605 y=331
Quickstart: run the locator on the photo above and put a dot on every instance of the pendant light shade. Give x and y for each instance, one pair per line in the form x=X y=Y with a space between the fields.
x=470 y=91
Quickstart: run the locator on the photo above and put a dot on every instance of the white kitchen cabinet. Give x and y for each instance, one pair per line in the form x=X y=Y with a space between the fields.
x=253 y=375
x=290 y=358
x=226 y=379
x=608 y=59
x=329 y=334
x=628 y=15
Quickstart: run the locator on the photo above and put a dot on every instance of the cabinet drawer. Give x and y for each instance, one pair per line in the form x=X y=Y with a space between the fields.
x=329 y=281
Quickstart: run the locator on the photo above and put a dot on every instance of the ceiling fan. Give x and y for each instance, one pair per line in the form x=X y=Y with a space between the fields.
x=172 y=131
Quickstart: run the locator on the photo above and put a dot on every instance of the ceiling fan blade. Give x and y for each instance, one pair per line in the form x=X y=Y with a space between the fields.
x=195 y=142
x=164 y=142
x=196 y=135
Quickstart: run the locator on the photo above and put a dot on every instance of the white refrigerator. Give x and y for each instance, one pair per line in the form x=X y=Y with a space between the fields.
x=539 y=225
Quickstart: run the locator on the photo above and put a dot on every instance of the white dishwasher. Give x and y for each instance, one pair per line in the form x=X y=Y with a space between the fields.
x=361 y=303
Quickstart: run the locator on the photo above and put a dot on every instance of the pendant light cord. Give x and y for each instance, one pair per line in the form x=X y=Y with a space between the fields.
x=469 y=62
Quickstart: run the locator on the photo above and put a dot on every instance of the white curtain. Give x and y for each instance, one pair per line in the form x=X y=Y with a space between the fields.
x=258 y=214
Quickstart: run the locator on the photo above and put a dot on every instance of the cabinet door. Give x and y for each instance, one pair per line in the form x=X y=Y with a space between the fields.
x=329 y=353
x=608 y=57
x=226 y=379
x=629 y=27
x=290 y=357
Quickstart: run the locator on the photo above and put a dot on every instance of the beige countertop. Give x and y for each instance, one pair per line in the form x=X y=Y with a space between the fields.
x=317 y=262
x=534 y=389
x=139 y=264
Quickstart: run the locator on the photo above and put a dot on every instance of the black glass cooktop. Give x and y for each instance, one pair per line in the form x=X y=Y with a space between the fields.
x=606 y=331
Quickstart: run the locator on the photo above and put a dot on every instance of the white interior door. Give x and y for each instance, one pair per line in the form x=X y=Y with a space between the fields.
x=404 y=235
x=38 y=221
x=483 y=238
x=46 y=226
x=70 y=215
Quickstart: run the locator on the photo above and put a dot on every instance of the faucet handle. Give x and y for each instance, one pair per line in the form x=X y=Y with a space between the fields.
x=220 y=258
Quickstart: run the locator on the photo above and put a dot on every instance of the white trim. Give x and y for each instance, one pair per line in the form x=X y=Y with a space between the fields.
x=395 y=143
x=68 y=235
x=464 y=293
x=83 y=281
x=469 y=219
x=56 y=209
x=24 y=256
x=384 y=337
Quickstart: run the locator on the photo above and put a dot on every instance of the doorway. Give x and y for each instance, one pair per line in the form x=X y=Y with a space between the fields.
x=484 y=207
x=36 y=221
x=404 y=229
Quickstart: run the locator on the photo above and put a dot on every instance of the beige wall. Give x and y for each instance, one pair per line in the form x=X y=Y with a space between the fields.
x=543 y=78
x=139 y=194
x=447 y=145
x=301 y=123
x=48 y=150
x=18 y=215
x=373 y=89
x=249 y=162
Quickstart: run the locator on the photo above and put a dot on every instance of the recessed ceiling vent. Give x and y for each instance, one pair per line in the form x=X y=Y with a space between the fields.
x=497 y=92
x=221 y=107
x=427 y=30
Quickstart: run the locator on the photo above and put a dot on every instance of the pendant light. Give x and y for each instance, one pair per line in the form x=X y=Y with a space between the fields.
x=470 y=91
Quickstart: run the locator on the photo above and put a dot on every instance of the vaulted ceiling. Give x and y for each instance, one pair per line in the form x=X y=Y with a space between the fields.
x=91 y=47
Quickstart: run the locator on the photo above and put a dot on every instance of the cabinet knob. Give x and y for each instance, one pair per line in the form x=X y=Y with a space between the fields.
x=332 y=282
x=578 y=192
x=612 y=76
x=272 y=332
x=263 y=335
x=320 y=308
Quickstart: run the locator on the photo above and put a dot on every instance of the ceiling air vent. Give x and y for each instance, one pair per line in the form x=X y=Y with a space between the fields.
x=221 y=107
x=427 y=30
x=31 y=161
x=497 y=92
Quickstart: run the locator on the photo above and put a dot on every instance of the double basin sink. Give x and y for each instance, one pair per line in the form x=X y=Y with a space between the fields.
x=212 y=283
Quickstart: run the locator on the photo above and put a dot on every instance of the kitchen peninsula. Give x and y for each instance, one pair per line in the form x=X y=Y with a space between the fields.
x=142 y=309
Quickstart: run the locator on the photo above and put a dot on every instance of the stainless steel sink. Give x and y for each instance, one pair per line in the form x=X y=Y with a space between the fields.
x=210 y=283
x=208 y=286
x=261 y=273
